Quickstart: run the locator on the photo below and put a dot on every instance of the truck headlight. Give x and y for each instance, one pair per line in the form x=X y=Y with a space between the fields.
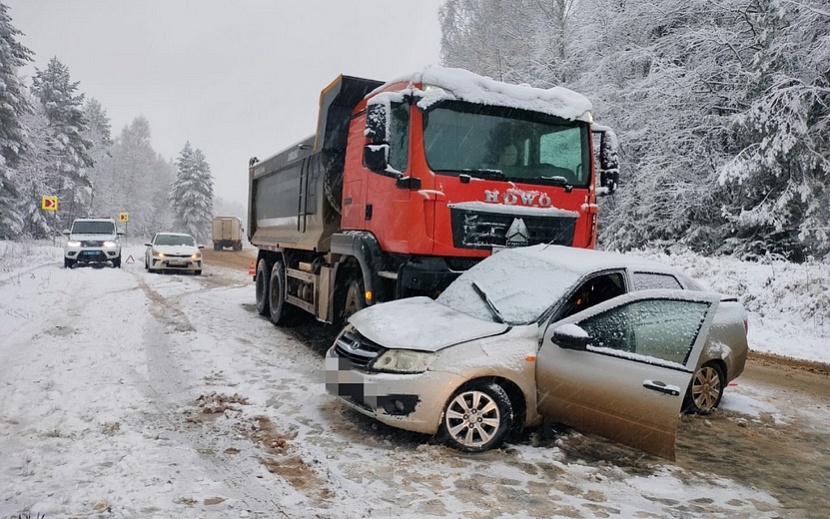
x=403 y=361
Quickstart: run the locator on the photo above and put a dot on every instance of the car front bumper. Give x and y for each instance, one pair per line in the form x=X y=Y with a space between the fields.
x=411 y=401
x=83 y=254
x=175 y=263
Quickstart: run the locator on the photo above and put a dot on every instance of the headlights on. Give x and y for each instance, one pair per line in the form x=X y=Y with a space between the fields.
x=404 y=361
x=196 y=256
x=110 y=243
x=73 y=243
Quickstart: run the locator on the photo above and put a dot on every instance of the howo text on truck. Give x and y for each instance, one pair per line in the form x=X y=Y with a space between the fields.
x=407 y=184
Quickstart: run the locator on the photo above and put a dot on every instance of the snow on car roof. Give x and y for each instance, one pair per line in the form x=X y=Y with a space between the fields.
x=441 y=84
x=583 y=261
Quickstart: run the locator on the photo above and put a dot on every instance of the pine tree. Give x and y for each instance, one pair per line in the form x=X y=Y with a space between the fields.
x=70 y=149
x=192 y=195
x=13 y=105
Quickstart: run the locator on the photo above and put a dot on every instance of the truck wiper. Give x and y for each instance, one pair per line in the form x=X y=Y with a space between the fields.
x=489 y=174
x=490 y=305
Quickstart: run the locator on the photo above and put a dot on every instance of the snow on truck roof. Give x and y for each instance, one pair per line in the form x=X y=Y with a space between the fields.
x=442 y=84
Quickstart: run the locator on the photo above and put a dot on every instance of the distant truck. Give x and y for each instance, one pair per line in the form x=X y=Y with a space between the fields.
x=227 y=232
x=407 y=184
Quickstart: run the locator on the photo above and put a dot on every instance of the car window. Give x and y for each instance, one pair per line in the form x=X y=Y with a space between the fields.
x=664 y=329
x=520 y=286
x=649 y=280
x=592 y=292
x=92 y=227
x=172 y=239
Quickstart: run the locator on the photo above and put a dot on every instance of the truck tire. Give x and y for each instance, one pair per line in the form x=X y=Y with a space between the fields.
x=352 y=301
x=282 y=313
x=263 y=280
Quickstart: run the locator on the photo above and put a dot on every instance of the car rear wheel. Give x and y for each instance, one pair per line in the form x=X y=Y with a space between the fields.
x=263 y=280
x=478 y=417
x=706 y=389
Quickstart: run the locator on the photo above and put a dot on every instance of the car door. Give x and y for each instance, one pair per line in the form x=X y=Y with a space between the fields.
x=620 y=369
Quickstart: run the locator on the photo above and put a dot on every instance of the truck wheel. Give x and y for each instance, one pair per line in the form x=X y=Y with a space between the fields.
x=354 y=299
x=216 y=246
x=263 y=279
x=282 y=313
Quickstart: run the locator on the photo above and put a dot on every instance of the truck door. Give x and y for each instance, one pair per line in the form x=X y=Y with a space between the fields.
x=620 y=369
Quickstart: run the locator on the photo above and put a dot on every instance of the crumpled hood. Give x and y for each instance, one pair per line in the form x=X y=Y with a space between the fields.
x=419 y=323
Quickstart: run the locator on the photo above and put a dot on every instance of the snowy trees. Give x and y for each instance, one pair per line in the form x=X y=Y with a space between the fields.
x=192 y=196
x=722 y=108
x=68 y=148
x=53 y=143
x=13 y=105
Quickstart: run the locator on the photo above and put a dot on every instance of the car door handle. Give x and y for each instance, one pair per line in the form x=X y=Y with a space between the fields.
x=662 y=387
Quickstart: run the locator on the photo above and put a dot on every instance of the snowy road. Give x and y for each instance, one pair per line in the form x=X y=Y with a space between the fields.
x=128 y=394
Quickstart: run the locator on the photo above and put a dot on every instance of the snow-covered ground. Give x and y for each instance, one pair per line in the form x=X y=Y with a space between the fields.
x=128 y=394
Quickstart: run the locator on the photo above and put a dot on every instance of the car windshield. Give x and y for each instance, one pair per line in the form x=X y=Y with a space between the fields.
x=507 y=144
x=174 y=239
x=92 y=227
x=519 y=288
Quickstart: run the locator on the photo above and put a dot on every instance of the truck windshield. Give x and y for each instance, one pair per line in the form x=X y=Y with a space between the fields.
x=506 y=144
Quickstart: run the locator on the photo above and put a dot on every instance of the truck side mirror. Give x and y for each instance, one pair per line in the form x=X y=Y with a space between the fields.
x=377 y=118
x=609 y=166
x=376 y=157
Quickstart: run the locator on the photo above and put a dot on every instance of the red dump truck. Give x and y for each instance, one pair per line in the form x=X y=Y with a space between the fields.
x=408 y=183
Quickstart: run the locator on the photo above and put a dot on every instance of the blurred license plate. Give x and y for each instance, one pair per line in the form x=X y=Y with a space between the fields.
x=177 y=263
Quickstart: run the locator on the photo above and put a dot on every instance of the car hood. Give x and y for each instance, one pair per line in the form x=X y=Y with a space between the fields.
x=180 y=250
x=419 y=323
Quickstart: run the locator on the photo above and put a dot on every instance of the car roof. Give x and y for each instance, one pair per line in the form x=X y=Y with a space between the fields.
x=174 y=234
x=94 y=220
x=585 y=261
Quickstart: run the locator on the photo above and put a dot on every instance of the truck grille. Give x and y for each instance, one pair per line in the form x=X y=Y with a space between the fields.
x=356 y=348
x=483 y=230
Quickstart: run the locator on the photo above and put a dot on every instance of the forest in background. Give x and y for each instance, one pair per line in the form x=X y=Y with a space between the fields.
x=722 y=110
x=55 y=142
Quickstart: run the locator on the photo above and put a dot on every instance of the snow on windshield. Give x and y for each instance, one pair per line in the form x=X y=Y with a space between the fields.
x=520 y=286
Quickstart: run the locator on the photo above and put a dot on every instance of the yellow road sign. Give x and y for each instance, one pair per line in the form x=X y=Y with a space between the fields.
x=123 y=217
x=49 y=203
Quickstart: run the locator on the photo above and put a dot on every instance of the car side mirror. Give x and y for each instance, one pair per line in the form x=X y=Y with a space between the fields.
x=66 y=232
x=571 y=337
x=148 y=244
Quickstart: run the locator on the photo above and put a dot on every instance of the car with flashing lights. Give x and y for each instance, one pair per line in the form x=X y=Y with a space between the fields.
x=92 y=241
x=173 y=252
x=611 y=344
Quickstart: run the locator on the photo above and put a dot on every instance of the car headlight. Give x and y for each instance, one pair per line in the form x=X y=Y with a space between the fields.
x=403 y=361
x=73 y=243
x=109 y=243
x=158 y=254
x=196 y=256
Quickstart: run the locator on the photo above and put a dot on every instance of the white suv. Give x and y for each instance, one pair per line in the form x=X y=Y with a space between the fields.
x=92 y=240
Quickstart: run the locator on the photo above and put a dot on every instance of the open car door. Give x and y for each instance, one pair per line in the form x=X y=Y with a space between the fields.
x=620 y=369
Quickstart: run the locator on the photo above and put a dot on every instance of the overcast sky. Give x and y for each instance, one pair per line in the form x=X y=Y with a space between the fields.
x=235 y=78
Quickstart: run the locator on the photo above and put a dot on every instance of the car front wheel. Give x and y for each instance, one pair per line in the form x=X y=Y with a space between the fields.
x=706 y=389
x=478 y=417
